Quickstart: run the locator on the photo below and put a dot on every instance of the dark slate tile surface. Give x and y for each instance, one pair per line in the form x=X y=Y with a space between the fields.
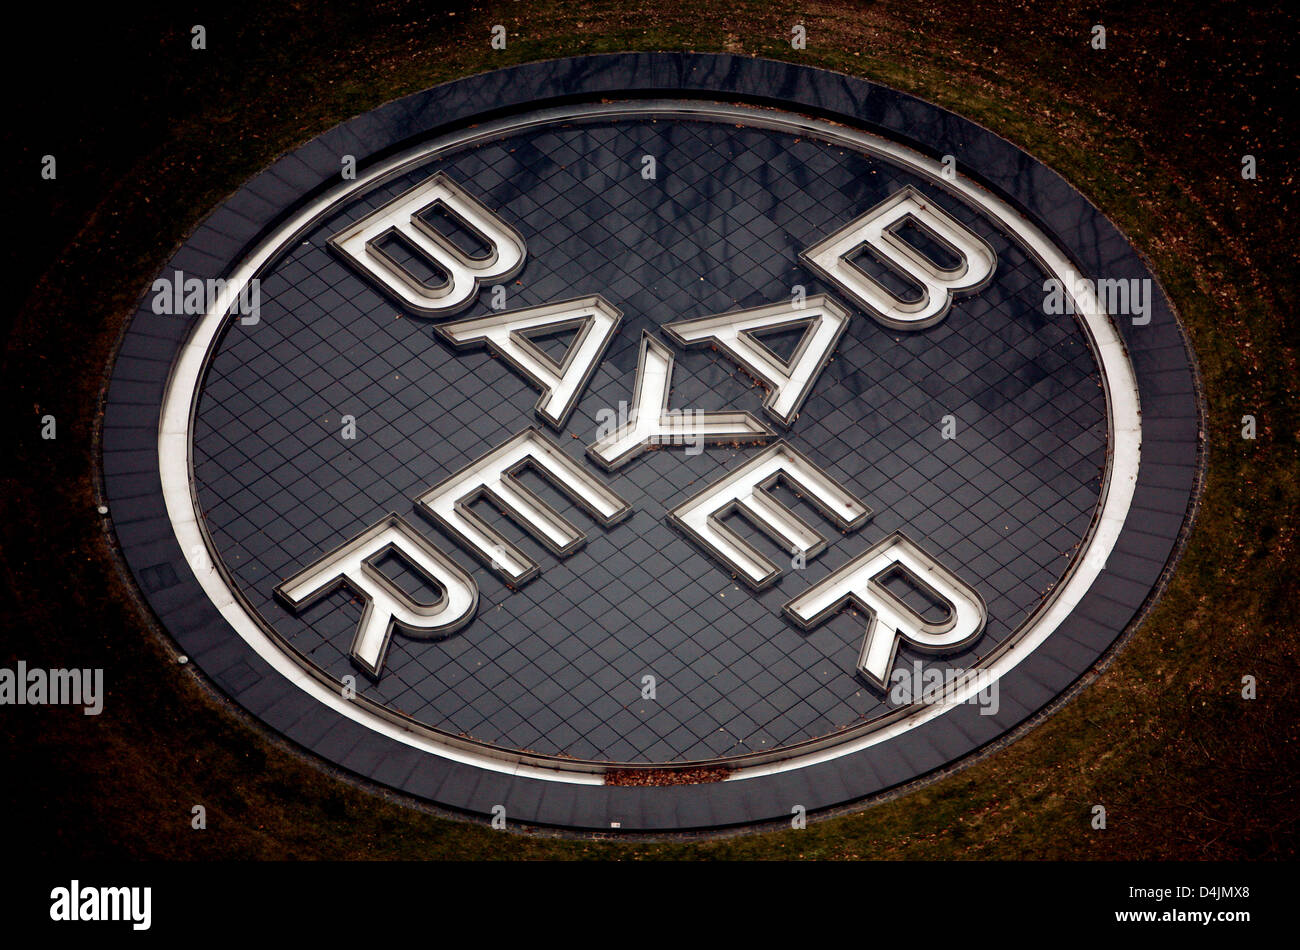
x=720 y=228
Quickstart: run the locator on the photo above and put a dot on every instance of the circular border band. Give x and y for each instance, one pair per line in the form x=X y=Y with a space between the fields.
x=140 y=491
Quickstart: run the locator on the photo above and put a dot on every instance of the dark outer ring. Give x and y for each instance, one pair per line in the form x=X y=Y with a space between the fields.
x=1163 y=502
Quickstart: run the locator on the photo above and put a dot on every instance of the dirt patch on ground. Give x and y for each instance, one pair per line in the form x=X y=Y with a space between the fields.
x=648 y=777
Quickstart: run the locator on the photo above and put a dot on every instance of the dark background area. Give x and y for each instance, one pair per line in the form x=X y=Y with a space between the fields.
x=150 y=135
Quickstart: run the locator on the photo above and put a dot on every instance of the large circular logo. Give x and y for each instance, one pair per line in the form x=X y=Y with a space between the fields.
x=651 y=442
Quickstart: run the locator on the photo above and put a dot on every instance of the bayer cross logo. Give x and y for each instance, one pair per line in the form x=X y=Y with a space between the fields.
x=774 y=459
x=593 y=323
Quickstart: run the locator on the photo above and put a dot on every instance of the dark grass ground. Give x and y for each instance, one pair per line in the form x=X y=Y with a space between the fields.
x=150 y=135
